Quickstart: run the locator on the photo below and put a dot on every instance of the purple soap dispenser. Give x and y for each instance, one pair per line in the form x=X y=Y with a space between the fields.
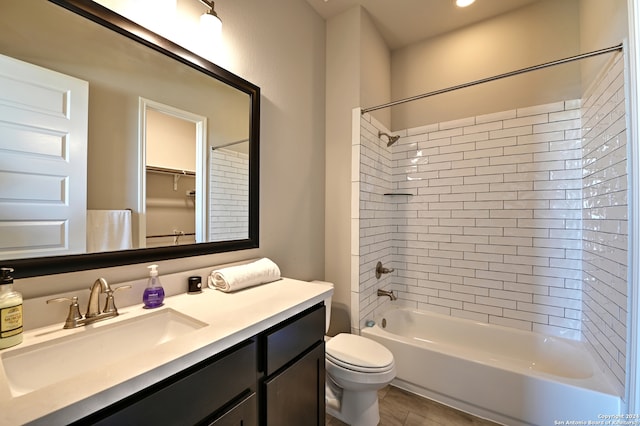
x=153 y=295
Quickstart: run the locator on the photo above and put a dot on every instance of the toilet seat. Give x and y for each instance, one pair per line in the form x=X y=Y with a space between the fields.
x=358 y=353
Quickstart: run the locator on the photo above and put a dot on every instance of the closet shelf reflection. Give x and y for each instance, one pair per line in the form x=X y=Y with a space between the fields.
x=178 y=234
x=156 y=169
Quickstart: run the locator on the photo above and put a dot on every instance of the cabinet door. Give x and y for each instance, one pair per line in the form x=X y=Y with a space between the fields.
x=295 y=396
x=243 y=414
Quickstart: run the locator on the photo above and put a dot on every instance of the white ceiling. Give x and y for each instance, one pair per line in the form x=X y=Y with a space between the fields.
x=403 y=22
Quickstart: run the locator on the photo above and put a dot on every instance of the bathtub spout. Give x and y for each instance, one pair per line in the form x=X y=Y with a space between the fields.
x=388 y=293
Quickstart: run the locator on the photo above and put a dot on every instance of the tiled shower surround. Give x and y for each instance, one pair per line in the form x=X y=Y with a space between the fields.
x=604 y=219
x=517 y=218
x=229 y=195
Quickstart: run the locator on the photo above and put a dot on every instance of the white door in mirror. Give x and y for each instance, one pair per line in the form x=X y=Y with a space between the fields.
x=43 y=155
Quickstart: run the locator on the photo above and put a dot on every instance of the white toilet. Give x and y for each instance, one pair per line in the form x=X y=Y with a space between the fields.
x=357 y=368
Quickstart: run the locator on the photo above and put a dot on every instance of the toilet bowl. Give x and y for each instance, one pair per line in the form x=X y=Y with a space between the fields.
x=359 y=367
x=356 y=369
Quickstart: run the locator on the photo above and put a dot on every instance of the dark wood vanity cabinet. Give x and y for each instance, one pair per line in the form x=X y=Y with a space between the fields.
x=275 y=378
x=292 y=387
x=223 y=385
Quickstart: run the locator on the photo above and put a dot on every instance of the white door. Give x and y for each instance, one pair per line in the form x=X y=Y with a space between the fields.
x=43 y=161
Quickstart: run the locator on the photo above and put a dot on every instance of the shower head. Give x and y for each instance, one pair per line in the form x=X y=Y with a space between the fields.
x=390 y=139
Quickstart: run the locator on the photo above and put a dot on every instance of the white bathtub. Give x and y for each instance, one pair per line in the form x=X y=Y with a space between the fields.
x=506 y=375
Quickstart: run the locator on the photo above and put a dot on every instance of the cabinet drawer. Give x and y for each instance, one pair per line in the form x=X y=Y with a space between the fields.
x=190 y=398
x=289 y=340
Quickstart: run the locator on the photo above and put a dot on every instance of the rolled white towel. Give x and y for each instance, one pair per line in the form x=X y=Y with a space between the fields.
x=242 y=276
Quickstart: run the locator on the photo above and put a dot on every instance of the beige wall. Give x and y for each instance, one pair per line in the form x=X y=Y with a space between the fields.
x=358 y=72
x=279 y=46
x=171 y=142
x=596 y=35
x=342 y=94
x=375 y=70
x=542 y=32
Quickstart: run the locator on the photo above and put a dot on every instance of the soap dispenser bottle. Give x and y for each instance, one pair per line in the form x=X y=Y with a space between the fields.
x=153 y=295
x=10 y=311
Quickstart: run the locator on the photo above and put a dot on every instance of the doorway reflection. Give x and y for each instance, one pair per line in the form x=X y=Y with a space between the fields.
x=174 y=181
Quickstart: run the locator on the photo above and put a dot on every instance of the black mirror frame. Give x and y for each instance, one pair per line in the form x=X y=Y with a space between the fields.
x=32 y=267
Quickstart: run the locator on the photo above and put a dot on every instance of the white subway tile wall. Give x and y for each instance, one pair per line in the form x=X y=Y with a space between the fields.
x=228 y=195
x=495 y=227
x=605 y=219
x=492 y=230
x=376 y=225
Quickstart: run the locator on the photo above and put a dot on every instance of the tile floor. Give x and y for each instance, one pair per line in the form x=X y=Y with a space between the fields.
x=402 y=408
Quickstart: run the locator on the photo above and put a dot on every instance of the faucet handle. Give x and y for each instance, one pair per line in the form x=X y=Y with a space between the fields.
x=110 y=304
x=382 y=270
x=74 y=310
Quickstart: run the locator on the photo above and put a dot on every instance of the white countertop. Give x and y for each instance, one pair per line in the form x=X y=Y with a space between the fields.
x=231 y=318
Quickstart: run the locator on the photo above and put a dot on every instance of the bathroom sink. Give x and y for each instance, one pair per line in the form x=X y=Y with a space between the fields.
x=34 y=367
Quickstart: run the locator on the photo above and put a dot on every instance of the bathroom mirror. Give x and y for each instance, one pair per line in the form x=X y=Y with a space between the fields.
x=171 y=75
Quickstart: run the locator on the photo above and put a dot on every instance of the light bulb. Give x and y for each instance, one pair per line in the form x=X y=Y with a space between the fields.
x=464 y=3
x=211 y=23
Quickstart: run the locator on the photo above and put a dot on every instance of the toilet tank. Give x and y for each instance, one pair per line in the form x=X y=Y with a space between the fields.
x=327 y=303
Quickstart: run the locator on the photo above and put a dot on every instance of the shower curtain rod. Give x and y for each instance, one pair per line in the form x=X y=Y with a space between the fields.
x=495 y=77
x=229 y=144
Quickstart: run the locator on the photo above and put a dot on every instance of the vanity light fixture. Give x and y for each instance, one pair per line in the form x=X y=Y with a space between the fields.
x=464 y=3
x=210 y=19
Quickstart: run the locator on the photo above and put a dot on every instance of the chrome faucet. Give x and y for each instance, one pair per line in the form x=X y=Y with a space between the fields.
x=388 y=293
x=74 y=319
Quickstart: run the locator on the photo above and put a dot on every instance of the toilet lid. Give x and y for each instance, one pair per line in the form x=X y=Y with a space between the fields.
x=358 y=353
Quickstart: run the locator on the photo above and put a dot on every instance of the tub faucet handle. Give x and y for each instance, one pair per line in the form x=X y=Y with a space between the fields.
x=381 y=270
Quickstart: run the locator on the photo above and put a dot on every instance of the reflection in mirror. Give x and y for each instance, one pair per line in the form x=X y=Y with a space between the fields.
x=121 y=68
x=173 y=178
x=43 y=149
x=229 y=195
